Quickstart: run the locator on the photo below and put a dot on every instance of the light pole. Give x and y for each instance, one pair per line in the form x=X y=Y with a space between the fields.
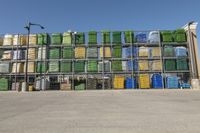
x=28 y=27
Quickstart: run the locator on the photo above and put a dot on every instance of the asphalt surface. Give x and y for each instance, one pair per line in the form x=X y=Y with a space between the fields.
x=111 y=111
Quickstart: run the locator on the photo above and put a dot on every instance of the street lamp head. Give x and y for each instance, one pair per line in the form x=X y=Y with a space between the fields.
x=42 y=27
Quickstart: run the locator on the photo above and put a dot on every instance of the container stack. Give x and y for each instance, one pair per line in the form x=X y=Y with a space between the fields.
x=119 y=82
x=144 y=81
x=172 y=82
x=79 y=52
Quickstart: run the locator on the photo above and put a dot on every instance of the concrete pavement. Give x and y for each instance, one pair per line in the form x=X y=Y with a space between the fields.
x=109 y=111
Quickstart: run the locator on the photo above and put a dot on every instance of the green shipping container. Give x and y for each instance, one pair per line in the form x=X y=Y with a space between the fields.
x=169 y=52
x=129 y=37
x=116 y=66
x=92 y=37
x=67 y=38
x=182 y=64
x=66 y=66
x=56 y=39
x=41 y=67
x=43 y=39
x=54 y=53
x=117 y=52
x=105 y=37
x=80 y=38
x=180 y=35
x=167 y=36
x=92 y=66
x=53 y=66
x=79 y=66
x=68 y=53
x=79 y=85
x=4 y=85
x=170 y=65
x=116 y=37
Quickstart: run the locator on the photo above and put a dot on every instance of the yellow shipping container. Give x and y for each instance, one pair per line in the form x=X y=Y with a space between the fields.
x=31 y=67
x=17 y=67
x=80 y=52
x=106 y=51
x=143 y=52
x=156 y=65
x=23 y=39
x=119 y=82
x=143 y=65
x=32 y=39
x=156 y=52
x=8 y=40
x=31 y=53
x=144 y=80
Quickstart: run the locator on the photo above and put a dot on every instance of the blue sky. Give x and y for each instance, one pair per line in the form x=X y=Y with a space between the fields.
x=85 y=15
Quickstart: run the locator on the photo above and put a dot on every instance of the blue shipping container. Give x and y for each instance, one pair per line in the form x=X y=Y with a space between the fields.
x=141 y=37
x=181 y=51
x=130 y=83
x=157 y=81
x=172 y=82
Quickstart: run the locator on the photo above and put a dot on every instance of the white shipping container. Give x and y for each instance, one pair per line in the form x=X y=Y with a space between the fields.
x=4 y=68
x=42 y=53
x=8 y=39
